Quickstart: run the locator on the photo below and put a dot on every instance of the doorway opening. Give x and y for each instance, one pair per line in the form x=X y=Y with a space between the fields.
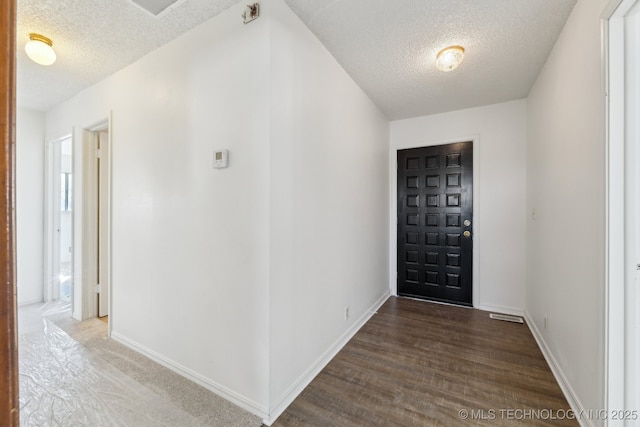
x=77 y=271
x=59 y=280
x=95 y=221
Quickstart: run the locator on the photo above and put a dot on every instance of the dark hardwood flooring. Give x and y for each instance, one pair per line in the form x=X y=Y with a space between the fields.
x=420 y=364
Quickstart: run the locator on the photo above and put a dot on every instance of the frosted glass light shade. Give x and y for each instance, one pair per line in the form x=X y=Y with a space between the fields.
x=449 y=58
x=39 y=49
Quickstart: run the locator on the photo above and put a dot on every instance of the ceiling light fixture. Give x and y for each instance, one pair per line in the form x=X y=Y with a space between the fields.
x=449 y=58
x=39 y=49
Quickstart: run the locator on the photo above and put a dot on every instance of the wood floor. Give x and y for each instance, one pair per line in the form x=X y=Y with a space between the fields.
x=421 y=364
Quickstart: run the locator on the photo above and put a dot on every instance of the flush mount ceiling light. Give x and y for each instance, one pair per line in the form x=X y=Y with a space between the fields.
x=449 y=58
x=39 y=49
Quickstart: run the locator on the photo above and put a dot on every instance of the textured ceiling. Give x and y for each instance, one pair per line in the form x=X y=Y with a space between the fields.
x=387 y=46
x=93 y=39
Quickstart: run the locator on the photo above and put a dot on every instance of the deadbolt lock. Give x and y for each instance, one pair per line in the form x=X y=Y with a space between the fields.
x=467 y=233
x=467 y=223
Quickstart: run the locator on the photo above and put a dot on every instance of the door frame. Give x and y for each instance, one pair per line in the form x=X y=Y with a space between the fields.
x=393 y=212
x=84 y=294
x=9 y=403
x=622 y=334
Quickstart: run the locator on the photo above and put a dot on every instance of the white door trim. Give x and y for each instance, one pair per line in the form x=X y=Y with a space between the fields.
x=621 y=334
x=393 y=234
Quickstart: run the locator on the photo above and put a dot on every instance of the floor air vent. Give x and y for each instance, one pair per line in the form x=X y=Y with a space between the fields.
x=514 y=319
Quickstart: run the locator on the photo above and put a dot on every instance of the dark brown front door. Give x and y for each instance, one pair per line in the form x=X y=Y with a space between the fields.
x=435 y=229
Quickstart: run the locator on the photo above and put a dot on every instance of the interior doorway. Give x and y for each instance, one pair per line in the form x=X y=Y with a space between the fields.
x=59 y=238
x=95 y=221
x=78 y=223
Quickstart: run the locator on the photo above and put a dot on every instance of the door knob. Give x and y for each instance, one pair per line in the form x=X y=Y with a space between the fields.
x=467 y=233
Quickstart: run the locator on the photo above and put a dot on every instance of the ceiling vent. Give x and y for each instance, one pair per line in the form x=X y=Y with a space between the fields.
x=156 y=7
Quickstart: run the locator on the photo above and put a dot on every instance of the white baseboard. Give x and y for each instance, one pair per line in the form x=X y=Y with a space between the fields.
x=222 y=391
x=501 y=309
x=564 y=384
x=35 y=301
x=303 y=381
x=292 y=392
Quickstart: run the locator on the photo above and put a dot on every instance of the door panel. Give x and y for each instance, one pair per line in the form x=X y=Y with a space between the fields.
x=435 y=229
x=89 y=221
x=103 y=224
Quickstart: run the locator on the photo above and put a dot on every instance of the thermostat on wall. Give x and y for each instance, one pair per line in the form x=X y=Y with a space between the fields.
x=220 y=159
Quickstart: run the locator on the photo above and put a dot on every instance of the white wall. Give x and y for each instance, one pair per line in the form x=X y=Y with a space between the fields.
x=189 y=243
x=499 y=209
x=329 y=192
x=30 y=204
x=566 y=187
x=239 y=278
